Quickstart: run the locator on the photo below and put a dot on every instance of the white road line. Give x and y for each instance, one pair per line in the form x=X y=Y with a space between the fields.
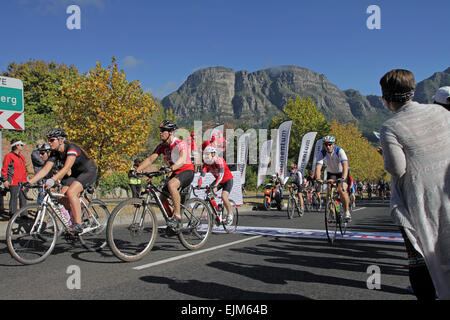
x=193 y=253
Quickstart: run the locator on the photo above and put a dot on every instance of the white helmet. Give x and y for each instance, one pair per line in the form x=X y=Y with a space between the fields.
x=210 y=149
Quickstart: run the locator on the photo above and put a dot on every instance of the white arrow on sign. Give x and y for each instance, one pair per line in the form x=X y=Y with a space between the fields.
x=12 y=120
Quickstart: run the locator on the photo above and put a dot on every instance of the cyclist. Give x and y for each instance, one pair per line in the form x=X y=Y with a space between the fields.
x=381 y=189
x=351 y=189
x=310 y=183
x=297 y=180
x=78 y=172
x=176 y=154
x=337 y=165
x=369 y=190
x=276 y=182
x=193 y=150
x=224 y=178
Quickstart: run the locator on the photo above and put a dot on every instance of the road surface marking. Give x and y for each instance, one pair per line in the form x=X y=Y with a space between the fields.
x=194 y=253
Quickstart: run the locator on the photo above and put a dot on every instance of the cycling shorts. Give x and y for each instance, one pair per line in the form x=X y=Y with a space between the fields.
x=226 y=186
x=86 y=178
x=185 y=177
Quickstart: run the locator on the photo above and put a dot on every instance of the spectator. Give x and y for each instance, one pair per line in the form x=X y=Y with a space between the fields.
x=135 y=183
x=14 y=172
x=414 y=148
x=442 y=97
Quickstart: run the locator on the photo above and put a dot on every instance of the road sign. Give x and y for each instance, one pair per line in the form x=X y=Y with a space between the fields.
x=11 y=104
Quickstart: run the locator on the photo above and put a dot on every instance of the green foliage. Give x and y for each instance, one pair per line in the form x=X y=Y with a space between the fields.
x=42 y=84
x=305 y=118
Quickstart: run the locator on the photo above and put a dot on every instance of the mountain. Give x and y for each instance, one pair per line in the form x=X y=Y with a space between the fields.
x=221 y=94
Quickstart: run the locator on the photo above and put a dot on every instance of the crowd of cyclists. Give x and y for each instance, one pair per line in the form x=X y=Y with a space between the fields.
x=76 y=171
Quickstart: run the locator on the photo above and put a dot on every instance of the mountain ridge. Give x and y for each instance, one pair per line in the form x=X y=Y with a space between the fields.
x=222 y=94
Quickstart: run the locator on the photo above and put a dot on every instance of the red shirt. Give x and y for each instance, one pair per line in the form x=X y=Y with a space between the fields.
x=14 y=169
x=219 y=170
x=172 y=153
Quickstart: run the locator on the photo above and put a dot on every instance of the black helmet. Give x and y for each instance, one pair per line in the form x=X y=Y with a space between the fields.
x=56 y=133
x=167 y=125
x=44 y=147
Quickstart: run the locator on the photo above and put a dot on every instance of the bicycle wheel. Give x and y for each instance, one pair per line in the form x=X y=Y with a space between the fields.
x=330 y=221
x=315 y=203
x=342 y=222
x=291 y=207
x=230 y=226
x=30 y=241
x=131 y=230
x=95 y=216
x=197 y=224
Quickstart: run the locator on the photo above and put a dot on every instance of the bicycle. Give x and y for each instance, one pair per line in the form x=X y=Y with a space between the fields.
x=334 y=214
x=32 y=231
x=219 y=210
x=133 y=225
x=293 y=205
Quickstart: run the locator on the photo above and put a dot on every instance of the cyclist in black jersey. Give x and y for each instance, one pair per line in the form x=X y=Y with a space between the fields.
x=78 y=172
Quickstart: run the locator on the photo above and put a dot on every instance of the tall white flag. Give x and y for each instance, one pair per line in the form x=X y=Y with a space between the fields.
x=264 y=159
x=305 y=151
x=284 y=132
x=242 y=154
x=317 y=149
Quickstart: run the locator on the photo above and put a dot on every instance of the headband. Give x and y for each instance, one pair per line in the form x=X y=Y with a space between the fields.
x=16 y=143
x=398 y=97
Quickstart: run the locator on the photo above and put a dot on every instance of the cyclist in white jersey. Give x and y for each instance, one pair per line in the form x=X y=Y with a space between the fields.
x=337 y=166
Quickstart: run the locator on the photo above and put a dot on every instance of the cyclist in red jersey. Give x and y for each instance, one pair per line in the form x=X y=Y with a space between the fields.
x=224 y=178
x=176 y=153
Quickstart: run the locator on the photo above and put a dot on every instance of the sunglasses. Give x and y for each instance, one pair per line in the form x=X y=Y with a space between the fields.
x=42 y=152
x=328 y=144
x=52 y=139
x=163 y=129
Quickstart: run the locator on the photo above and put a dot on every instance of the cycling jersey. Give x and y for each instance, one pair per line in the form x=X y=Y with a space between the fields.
x=82 y=162
x=333 y=160
x=172 y=153
x=219 y=170
x=296 y=177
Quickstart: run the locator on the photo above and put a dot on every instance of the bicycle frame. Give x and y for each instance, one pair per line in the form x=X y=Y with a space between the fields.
x=47 y=201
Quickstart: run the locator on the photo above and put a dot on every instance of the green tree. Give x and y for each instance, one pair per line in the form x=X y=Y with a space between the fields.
x=305 y=117
x=42 y=84
x=109 y=116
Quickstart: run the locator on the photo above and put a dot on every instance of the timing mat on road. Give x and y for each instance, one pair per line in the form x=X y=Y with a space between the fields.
x=316 y=234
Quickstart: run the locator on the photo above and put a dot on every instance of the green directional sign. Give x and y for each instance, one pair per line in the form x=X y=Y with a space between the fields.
x=11 y=94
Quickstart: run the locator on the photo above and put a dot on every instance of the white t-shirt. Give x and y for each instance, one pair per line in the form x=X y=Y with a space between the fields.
x=333 y=160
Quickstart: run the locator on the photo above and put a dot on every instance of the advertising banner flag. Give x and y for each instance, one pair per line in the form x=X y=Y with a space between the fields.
x=317 y=149
x=305 y=151
x=284 y=132
x=242 y=155
x=264 y=159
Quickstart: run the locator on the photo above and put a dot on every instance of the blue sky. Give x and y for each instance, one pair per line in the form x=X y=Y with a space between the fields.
x=160 y=43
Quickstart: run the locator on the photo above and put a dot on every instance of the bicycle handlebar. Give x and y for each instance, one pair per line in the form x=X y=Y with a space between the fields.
x=207 y=188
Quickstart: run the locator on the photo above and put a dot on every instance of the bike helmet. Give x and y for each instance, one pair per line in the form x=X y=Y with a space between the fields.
x=168 y=125
x=44 y=147
x=56 y=133
x=210 y=149
x=329 y=139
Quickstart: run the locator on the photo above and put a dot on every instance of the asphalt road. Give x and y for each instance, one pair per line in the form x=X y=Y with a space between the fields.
x=271 y=261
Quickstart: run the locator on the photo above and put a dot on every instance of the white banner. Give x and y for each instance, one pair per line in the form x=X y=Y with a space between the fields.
x=264 y=159
x=235 y=194
x=317 y=149
x=284 y=132
x=305 y=151
x=242 y=155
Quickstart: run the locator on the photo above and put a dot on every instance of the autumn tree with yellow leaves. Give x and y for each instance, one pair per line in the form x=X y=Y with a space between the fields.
x=365 y=162
x=108 y=116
